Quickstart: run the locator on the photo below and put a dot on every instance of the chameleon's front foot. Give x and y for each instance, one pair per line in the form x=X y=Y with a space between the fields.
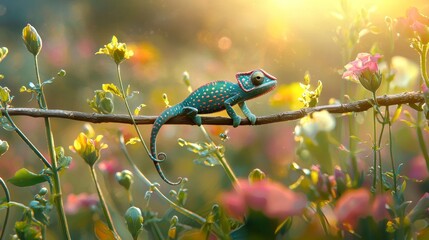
x=252 y=118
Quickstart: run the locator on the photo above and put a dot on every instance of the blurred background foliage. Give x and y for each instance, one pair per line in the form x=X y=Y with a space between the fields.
x=211 y=40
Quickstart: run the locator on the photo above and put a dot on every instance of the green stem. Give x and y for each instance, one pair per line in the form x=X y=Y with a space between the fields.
x=352 y=148
x=322 y=218
x=423 y=69
x=172 y=204
x=423 y=63
x=392 y=161
x=26 y=140
x=421 y=139
x=227 y=168
x=118 y=70
x=102 y=201
x=374 y=180
x=380 y=171
x=6 y=218
x=57 y=195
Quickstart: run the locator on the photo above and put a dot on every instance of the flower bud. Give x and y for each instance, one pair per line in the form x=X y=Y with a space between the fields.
x=4 y=95
x=370 y=81
x=256 y=175
x=3 y=53
x=4 y=146
x=32 y=40
x=62 y=73
x=43 y=191
x=134 y=220
x=172 y=231
x=125 y=178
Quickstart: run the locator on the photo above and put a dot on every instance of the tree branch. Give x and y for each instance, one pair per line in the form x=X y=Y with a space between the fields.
x=357 y=106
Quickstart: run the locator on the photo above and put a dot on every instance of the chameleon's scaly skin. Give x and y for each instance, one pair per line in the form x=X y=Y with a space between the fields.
x=214 y=97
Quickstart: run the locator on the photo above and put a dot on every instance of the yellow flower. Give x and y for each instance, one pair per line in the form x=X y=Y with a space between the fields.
x=32 y=40
x=287 y=96
x=116 y=50
x=89 y=149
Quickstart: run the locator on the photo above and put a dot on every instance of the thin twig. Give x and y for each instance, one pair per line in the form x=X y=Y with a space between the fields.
x=357 y=106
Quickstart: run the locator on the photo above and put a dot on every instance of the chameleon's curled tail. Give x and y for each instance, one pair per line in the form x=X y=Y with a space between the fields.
x=157 y=158
x=162 y=175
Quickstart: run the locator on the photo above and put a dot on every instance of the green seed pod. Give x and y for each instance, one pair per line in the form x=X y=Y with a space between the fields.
x=134 y=220
x=125 y=178
x=4 y=146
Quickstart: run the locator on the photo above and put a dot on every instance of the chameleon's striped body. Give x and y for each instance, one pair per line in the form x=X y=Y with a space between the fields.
x=214 y=97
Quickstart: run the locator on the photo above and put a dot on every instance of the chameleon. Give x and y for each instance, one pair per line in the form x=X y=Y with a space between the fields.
x=214 y=97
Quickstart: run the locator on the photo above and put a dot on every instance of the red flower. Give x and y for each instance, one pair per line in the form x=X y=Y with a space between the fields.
x=272 y=199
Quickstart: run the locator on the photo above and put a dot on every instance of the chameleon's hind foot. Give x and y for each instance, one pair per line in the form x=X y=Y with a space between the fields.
x=192 y=113
x=197 y=120
x=236 y=120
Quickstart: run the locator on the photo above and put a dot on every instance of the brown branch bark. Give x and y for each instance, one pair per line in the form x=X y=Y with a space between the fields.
x=357 y=106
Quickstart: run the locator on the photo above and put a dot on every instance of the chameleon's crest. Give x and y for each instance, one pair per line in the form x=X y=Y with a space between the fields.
x=250 y=80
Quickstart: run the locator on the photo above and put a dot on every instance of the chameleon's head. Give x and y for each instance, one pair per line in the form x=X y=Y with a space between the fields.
x=256 y=82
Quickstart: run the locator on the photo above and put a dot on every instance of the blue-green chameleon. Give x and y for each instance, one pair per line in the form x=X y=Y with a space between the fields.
x=214 y=97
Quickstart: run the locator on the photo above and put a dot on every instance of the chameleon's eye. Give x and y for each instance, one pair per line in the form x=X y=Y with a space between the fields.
x=257 y=78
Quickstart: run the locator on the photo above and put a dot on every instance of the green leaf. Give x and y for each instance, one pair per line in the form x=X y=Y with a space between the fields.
x=24 y=178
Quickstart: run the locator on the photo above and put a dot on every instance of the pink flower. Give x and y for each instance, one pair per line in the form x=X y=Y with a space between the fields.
x=379 y=210
x=352 y=205
x=415 y=25
x=272 y=199
x=363 y=62
x=364 y=69
x=83 y=200
x=110 y=166
x=416 y=168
